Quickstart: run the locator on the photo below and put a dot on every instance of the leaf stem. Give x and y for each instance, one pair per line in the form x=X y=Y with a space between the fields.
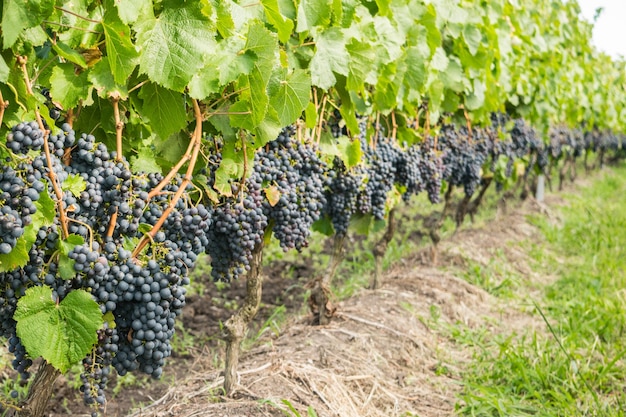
x=48 y=22
x=51 y=174
x=76 y=15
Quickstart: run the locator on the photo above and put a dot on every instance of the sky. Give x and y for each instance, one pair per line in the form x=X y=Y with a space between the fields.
x=609 y=33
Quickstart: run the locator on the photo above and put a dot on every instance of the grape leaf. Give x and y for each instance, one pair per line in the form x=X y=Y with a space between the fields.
x=64 y=51
x=144 y=161
x=283 y=26
x=18 y=15
x=272 y=194
x=290 y=95
x=74 y=184
x=350 y=151
x=324 y=226
x=473 y=38
x=313 y=13
x=172 y=47
x=120 y=49
x=130 y=10
x=4 y=70
x=61 y=333
x=102 y=79
x=67 y=87
x=227 y=63
x=265 y=46
x=330 y=56
x=164 y=108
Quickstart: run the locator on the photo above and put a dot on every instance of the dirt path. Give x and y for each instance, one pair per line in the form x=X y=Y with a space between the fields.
x=382 y=356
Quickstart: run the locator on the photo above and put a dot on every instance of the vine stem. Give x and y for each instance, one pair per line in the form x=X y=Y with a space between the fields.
x=381 y=248
x=193 y=157
x=321 y=121
x=236 y=326
x=53 y=178
x=76 y=15
x=119 y=127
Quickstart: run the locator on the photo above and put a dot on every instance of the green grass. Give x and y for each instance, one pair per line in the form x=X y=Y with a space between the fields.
x=577 y=367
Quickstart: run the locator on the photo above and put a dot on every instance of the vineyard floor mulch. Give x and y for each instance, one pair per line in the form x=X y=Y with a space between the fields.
x=381 y=356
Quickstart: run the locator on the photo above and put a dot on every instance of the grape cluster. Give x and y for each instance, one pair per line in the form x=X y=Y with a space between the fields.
x=108 y=207
x=341 y=195
x=463 y=158
x=284 y=189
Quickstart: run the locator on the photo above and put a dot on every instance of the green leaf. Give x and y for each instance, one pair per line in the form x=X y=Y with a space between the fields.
x=102 y=80
x=66 y=267
x=46 y=210
x=18 y=15
x=67 y=87
x=283 y=26
x=64 y=51
x=324 y=226
x=291 y=96
x=310 y=114
x=65 y=246
x=313 y=13
x=330 y=56
x=130 y=10
x=4 y=70
x=63 y=333
x=172 y=47
x=473 y=38
x=362 y=223
x=363 y=60
x=120 y=49
x=476 y=99
x=228 y=62
x=440 y=60
x=265 y=46
x=74 y=184
x=19 y=257
x=144 y=161
x=164 y=108
x=350 y=151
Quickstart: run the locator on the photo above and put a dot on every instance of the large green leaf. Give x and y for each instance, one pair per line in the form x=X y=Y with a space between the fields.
x=18 y=15
x=120 y=49
x=172 y=46
x=61 y=333
x=164 y=108
x=313 y=13
x=330 y=56
x=283 y=26
x=289 y=96
x=67 y=87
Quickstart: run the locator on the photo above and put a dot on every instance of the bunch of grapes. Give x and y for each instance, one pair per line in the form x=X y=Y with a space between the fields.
x=105 y=205
x=285 y=188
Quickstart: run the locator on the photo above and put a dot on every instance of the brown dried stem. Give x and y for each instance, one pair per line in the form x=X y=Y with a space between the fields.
x=53 y=178
x=195 y=150
x=119 y=127
x=112 y=223
x=394 y=126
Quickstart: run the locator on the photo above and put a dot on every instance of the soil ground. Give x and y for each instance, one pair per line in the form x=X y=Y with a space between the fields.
x=382 y=355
